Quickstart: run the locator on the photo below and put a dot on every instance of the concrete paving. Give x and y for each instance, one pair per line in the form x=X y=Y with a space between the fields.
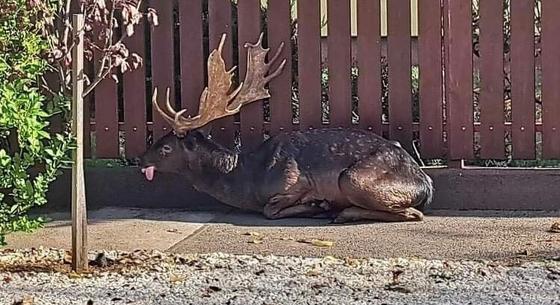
x=443 y=234
x=124 y=229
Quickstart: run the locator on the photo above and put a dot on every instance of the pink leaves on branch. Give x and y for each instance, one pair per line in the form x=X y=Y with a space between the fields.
x=152 y=17
x=107 y=25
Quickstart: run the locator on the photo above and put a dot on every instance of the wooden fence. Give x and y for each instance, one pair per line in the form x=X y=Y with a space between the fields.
x=468 y=87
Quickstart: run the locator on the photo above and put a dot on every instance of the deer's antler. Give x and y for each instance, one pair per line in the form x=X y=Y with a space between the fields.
x=215 y=101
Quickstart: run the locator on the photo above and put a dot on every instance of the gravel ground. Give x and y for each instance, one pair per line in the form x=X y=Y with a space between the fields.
x=41 y=276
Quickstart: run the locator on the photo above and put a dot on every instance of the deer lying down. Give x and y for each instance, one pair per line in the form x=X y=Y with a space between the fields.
x=346 y=174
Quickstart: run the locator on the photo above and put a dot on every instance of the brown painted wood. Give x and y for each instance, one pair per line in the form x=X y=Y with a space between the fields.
x=398 y=57
x=252 y=116
x=551 y=79
x=523 y=79
x=106 y=115
x=162 y=61
x=309 y=63
x=134 y=96
x=369 y=65
x=431 y=78
x=191 y=55
x=219 y=15
x=492 y=79
x=459 y=79
x=339 y=63
x=279 y=31
x=106 y=120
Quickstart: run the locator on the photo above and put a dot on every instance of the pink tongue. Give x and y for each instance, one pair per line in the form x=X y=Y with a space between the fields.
x=149 y=172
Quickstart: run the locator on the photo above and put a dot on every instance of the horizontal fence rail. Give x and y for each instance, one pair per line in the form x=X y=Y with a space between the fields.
x=468 y=86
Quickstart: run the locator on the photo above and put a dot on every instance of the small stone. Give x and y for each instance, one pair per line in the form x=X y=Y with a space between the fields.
x=555 y=227
x=102 y=261
x=27 y=300
x=214 y=289
x=553 y=276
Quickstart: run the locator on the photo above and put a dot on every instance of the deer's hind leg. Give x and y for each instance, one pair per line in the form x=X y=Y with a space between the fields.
x=357 y=214
x=377 y=193
x=300 y=210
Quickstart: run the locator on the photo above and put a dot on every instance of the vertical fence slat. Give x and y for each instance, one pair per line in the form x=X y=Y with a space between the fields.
x=459 y=79
x=248 y=17
x=431 y=79
x=523 y=79
x=134 y=98
x=219 y=16
x=279 y=31
x=191 y=54
x=369 y=64
x=398 y=55
x=106 y=117
x=162 y=62
x=491 y=79
x=339 y=63
x=309 y=63
x=551 y=79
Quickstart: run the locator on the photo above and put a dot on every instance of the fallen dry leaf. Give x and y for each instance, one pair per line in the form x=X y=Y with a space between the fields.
x=555 y=228
x=322 y=243
x=313 y=272
x=74 y=275
x=329 y=259
x=255 y=241
x=317 y=242
x=351 y=262
x=253 y=234
x=176 y=278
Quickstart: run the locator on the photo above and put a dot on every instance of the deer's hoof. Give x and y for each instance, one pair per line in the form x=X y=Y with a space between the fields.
x=271 y=211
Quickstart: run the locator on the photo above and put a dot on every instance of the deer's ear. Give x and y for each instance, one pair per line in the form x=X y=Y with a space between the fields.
x=189 y=142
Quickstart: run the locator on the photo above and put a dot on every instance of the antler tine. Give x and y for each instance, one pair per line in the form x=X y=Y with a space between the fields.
x=169 y=119
x=277 y=54
x=168 y=103
x=276 y=72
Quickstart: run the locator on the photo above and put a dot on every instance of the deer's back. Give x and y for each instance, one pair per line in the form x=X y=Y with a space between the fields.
x=328 y=148
x=315 y=159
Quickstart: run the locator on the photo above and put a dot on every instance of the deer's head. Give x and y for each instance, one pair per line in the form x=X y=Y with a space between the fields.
x=187 y=148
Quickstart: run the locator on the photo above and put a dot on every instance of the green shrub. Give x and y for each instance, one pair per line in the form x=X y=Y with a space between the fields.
x=30 y=156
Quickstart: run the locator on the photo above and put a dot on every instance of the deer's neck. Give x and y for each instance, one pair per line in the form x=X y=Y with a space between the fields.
x=226 y=176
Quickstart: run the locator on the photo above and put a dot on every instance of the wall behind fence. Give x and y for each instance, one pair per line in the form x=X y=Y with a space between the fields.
x=486 y=105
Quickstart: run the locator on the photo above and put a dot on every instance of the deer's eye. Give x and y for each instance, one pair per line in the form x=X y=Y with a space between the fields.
x=166 y=149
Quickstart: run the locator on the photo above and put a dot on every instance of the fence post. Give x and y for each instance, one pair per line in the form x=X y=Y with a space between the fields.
x=79 y=216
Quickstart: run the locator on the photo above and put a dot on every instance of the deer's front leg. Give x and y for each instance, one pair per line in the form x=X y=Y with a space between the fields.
x=280 y=202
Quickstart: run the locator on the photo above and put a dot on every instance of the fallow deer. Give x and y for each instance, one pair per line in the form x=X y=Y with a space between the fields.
x=347 y=174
